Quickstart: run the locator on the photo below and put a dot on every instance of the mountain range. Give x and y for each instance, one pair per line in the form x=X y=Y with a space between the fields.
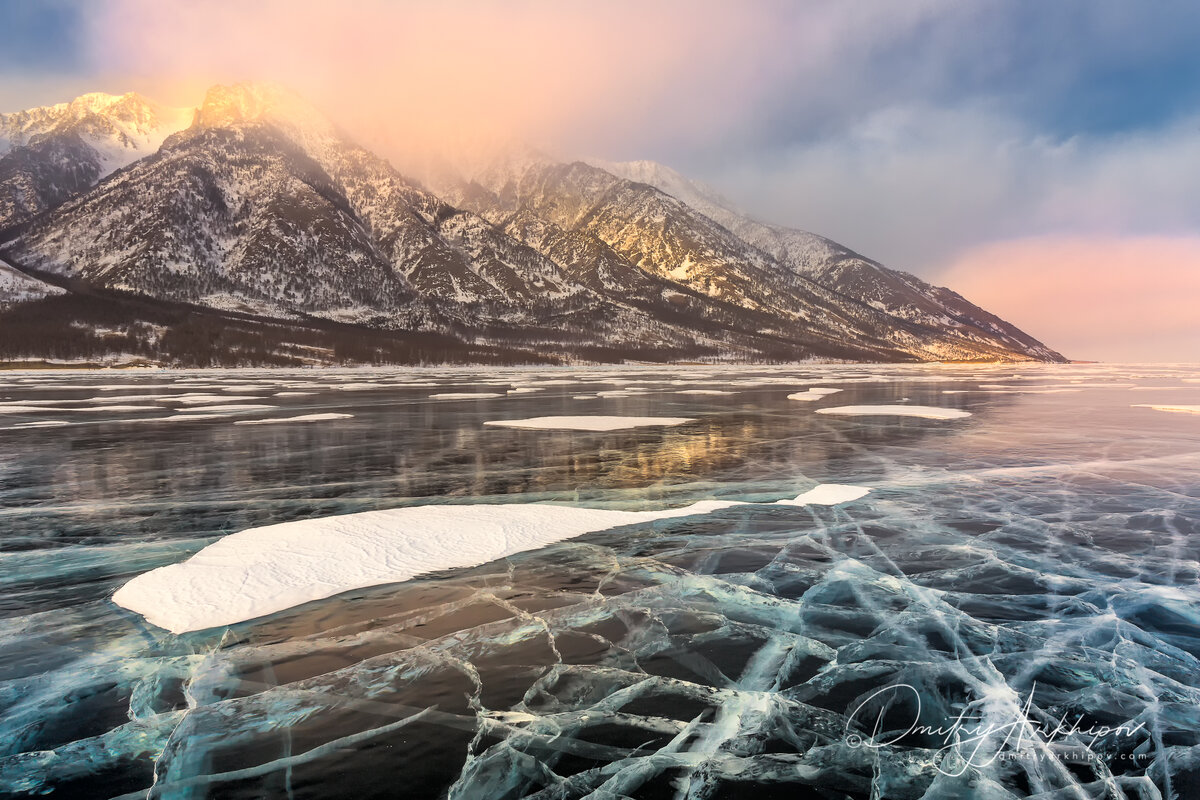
x=252 y=230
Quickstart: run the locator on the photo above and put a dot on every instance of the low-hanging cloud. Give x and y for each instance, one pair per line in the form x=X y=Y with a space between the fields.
x=425 y=73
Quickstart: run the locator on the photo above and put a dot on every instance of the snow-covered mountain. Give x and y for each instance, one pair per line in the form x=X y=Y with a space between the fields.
x=262 y=207
x=50 y=153
x=828 y=263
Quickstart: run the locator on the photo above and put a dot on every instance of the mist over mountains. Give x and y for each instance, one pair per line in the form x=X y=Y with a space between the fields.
x=252 y=230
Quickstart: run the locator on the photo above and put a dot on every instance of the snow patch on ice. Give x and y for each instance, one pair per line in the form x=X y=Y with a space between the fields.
x=1186 y=409
x=264 y=570
x=588 y=423
x=827 y=494
x=300 y=418
x=463 y=395
x=925 y=412
x=196 y=399
x=815 y=393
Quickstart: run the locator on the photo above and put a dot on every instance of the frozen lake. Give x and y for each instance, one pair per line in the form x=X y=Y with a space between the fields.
x=1011 y=611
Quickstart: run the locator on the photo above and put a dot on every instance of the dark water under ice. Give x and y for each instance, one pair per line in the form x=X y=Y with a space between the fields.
x=1011 y=612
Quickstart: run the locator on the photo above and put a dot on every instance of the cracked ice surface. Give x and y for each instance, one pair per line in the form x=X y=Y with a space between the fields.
x=1037 y=565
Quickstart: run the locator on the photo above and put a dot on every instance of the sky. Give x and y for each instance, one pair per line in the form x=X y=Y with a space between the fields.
x=1043 y=159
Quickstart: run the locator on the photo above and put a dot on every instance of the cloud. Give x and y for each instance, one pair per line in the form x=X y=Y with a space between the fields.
x=914 y=186
x=1095 y=298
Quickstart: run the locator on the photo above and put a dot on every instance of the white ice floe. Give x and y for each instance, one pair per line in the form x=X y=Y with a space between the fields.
x=294 y=394
x=1164 y=407
x=588 y=423
x=815 y=393
x=301 y=418
x=230 y=407
x=463 y=395
x=927 y=412
x=524 y=390
x=264 y=570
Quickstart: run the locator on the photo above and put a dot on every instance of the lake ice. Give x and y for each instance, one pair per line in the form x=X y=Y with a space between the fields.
x=1035 y=562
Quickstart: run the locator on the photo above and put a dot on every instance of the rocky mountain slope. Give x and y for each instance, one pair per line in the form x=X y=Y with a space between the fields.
x=261 y=207
x=897 y=293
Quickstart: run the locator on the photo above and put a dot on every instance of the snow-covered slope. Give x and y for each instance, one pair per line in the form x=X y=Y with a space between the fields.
x=17 y=287
x=804 y=252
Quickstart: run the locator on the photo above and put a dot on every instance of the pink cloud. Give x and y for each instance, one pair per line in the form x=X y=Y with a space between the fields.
x=1099 y=298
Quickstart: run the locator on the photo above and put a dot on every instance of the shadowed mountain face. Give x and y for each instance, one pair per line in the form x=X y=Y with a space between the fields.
x=262 y=207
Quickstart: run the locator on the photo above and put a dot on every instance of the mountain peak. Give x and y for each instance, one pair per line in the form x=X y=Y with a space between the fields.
x=666 y=179
x=99 y=102
x=254 y=102
x=124 y=120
